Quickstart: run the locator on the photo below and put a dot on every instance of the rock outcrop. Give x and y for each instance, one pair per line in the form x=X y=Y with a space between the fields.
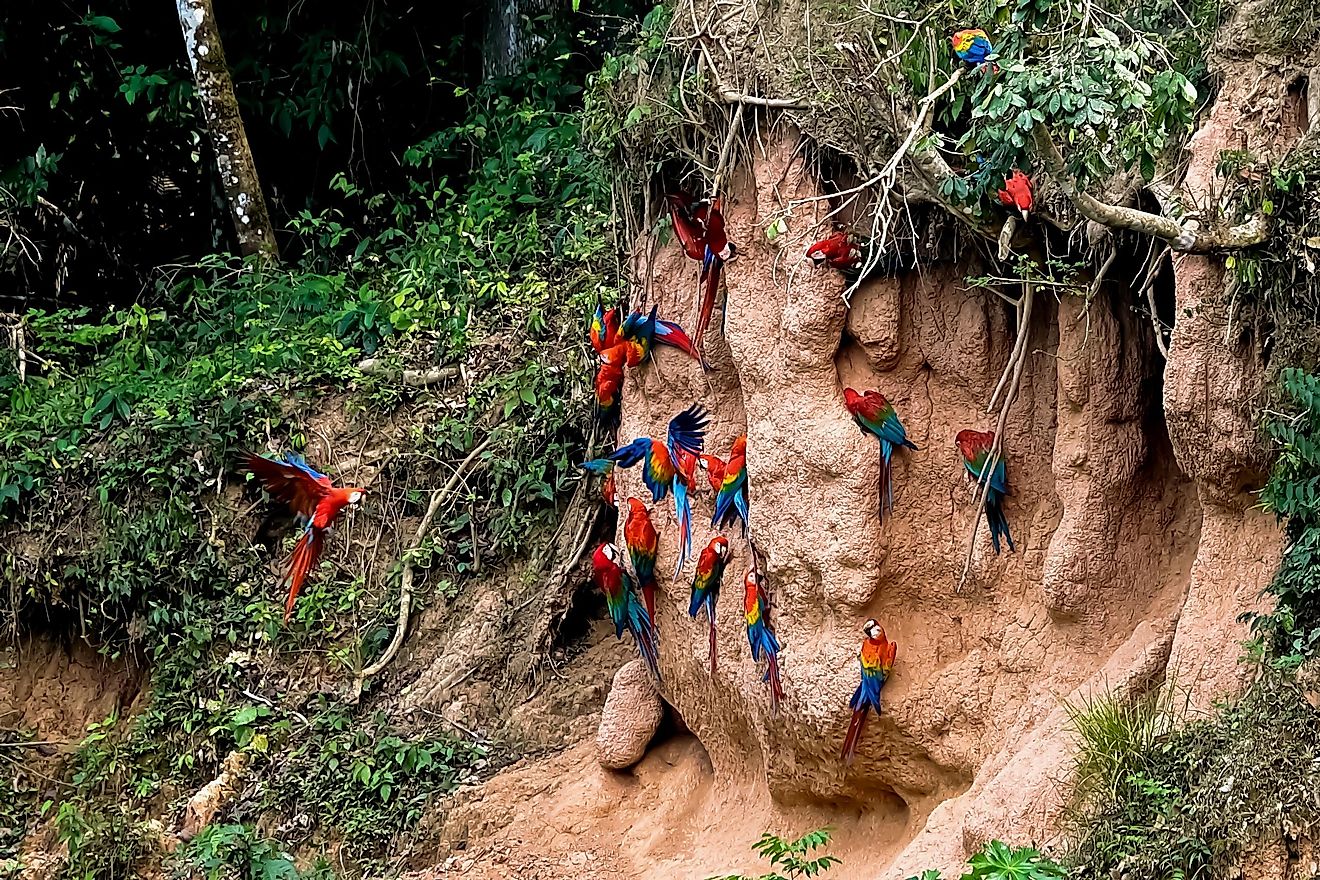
x=631 y=716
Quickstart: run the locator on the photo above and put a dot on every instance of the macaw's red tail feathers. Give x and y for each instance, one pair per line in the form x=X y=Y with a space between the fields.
x=772 y=676
x=648 y=596
x=714 y=656
x=305 y=554
x=671 y=334
x=886 y=482
x=710 y=277
x=854 y=736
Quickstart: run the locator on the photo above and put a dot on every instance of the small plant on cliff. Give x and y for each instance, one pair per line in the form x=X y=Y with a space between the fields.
x=791 y=859
x=999 y=861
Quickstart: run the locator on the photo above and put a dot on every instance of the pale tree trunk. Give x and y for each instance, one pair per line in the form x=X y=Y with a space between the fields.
x=233 y=156
x=508 y=41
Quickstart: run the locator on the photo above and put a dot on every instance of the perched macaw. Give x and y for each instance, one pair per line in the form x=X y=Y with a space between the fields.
x=838 y=251
x=605 y=468
x=700 y=229
x=643 y=544
x=706 y=586
x=687 y=431
x=975 y=448
x=314 y=500
x=731 y=500
x=713 y=465
x=626 y=610
x=756 y=605
x=608 y=387
x=877 y=659
x=605 y=328
x=685 y=463
x=875 y=415
x=638 y=332
x=1017 y=192
x=973 y=46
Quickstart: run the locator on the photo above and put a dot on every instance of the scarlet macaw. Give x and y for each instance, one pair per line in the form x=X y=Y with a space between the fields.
x=700 y=229
x=706 y=586
x=608 y=388
x=1017 y=192
x=877 y=660
x=604 y=328
x=875 y=415
x=756 y=606
x=713 y=465
x=975 y=448
x=686 y=431
x=638 y=332
x=731 y=499
x=838 y=251
x=973 y=46
x=643 y=544
x=626 y=610
x=685 y=463
x=314 y=500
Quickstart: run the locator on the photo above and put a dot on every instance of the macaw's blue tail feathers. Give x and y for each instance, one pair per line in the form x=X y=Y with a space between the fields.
x=994 y=516
x=683 y=511
x=643 y=633
x=602 y=466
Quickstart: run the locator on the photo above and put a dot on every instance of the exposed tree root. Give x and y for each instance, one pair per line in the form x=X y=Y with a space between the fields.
x=415 y=378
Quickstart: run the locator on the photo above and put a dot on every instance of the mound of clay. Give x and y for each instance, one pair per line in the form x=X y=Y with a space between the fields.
x=630 y=718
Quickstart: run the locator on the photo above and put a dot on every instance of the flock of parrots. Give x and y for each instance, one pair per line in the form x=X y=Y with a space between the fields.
x=670 y=465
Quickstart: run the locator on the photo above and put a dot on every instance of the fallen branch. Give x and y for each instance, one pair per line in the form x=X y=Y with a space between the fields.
x=1148 y=288
x=731 y=96
x=1006 y=237
x=415 y=378
x=1186 y=236
x=406 y=582
x=1016 y=361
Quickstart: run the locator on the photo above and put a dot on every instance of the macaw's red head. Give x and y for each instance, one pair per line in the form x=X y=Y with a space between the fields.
x=873 y=630
x=606 y=557
x=636 y=508
x=971 y=443
x=1017 y=192
x=616 y=355
x=714 y=469
x=719 y=545
x=851 y=399
x=739 y=449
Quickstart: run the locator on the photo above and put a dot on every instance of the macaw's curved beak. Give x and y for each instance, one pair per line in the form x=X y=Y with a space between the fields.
x=1024 y=215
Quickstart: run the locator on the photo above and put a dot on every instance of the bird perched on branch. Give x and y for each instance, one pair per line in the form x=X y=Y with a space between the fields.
x=706 y=586
x=876 y=416
x=701 y=231
x=313 y=499
x=687 y=431
x=1016 y=193
x=975 y=447
x=877 y=661
x=626 y=610
x=973 y=46
x=756 y=609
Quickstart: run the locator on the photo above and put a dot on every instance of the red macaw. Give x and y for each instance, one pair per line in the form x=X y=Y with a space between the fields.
x=314 y=500
x=731 y=499
x=975 y=447
x=626 y=610
x=687 y=431
x=604 y=328
x=1017 y=192
x=608 y=388
x=875 y=415
x=838 y=251
x=638 y=332
x=700 y=229
x=756 y=607
x=643 y=545
x=713 y=465
x=607 y=489
x=706 y=586
x=877 y=660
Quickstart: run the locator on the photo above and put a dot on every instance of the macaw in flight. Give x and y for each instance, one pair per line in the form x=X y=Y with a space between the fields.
x=687 y=431
x=706 y=586
x=314 y=500
x=975 y=447
x=877 y=661
x=685 y=463
x=973 y=46
x=700 y=229
x=731 y=499
x=756 y=607
x=626 y=610
x=875 y=415
x=840 y=250
x=1017 y=192
x=643 y=545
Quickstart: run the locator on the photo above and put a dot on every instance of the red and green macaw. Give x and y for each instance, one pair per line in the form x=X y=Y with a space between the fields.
x=626 y=610
x=643 y=545
x=687 y=431
x=877 y=660
x=731 y=500
x=1017 y=193
x=975 y=447
x=314 y=500
x=756 y=607
x=701 y=231
x=684 y=482
x=840 y=250
x=973 y=46
x=875 y=415
x=706 y=586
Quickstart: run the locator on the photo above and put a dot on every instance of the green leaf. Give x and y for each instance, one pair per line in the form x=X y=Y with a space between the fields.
x=103 y=23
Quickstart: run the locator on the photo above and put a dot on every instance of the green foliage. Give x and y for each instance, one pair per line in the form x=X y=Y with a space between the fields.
x=236 y=852
x=791 y=859
x=1115 y=736
x=18 y=795
x=1188 y=801
x=999 y=861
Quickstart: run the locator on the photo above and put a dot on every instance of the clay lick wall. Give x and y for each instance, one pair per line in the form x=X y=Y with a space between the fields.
x=974 y=740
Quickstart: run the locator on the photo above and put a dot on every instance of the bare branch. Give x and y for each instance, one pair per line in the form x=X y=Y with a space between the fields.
x=1186 y=236
x=732 y=96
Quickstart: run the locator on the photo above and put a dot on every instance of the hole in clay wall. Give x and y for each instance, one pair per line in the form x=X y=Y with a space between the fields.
x=1297 y=106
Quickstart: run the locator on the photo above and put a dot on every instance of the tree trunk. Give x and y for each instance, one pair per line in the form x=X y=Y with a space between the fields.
x=233 y=156
x=509 y=42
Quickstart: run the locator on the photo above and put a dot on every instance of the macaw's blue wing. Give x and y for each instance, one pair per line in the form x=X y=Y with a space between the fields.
x=687 y=430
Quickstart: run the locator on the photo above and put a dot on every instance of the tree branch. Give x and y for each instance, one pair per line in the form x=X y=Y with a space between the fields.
x=1186 y=236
